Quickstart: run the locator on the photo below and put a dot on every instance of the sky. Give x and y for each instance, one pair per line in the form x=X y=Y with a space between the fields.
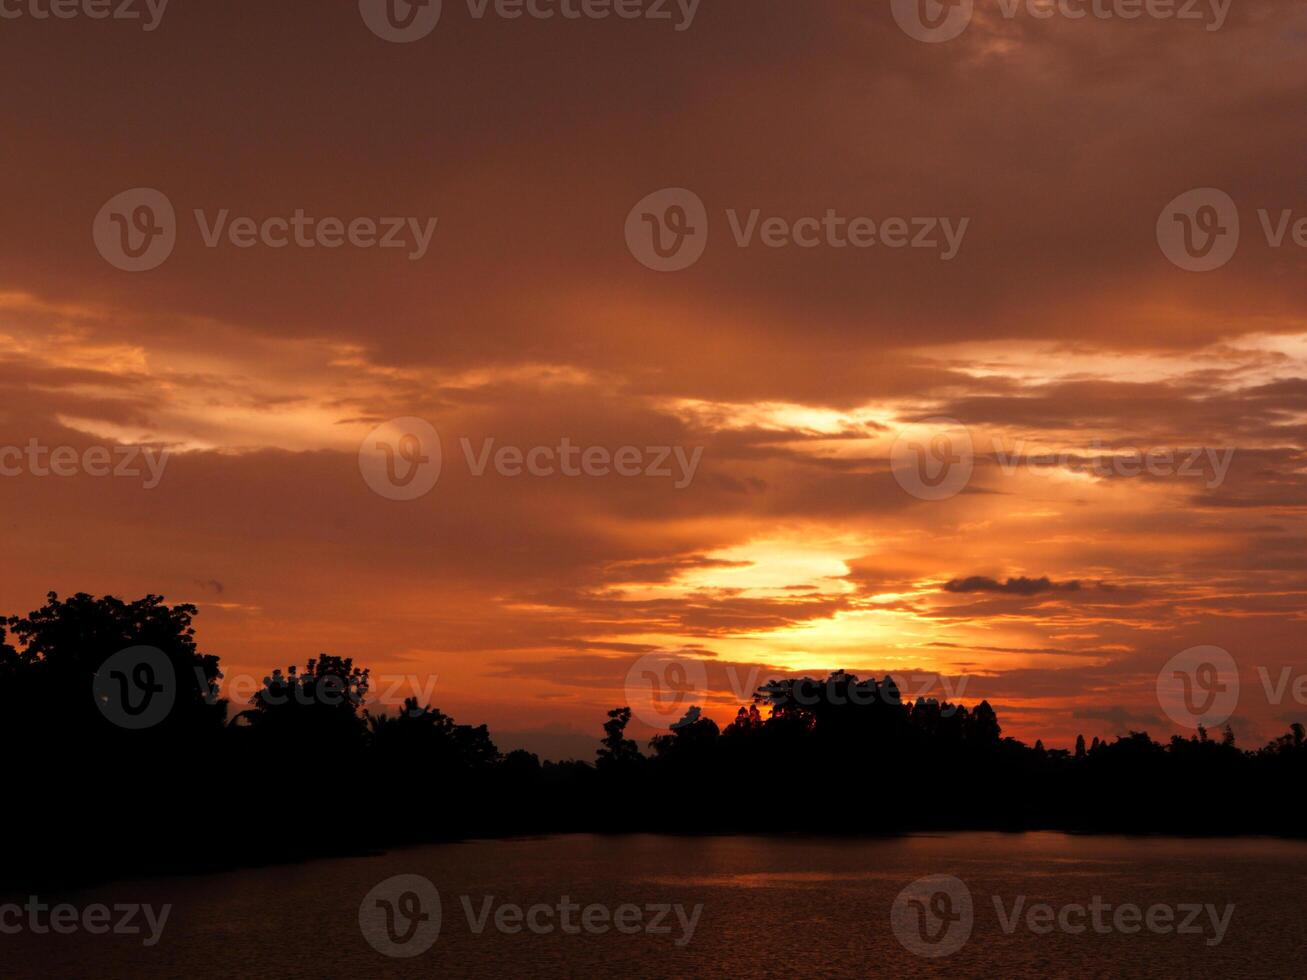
x=1028 y=328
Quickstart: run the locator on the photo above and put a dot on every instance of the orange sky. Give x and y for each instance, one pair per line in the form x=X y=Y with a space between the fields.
x=1059 y=326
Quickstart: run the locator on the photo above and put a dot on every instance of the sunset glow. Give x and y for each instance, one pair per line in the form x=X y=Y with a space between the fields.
x=1137 y=429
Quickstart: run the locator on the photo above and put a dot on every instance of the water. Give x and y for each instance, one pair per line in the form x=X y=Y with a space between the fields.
x=770 y=906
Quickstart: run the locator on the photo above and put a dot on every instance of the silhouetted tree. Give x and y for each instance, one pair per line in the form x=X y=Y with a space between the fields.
x=96 y=790
x=312 y=757
x=615 y=748
x=63 y=645
x=426 y=738
x=692 y=736
x=322 y=704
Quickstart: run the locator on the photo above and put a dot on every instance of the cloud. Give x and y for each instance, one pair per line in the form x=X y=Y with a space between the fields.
x=1121 y=719
x=1059 y=326
x=1013 y=586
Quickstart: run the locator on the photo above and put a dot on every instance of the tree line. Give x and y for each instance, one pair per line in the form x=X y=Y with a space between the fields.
x=307 y=769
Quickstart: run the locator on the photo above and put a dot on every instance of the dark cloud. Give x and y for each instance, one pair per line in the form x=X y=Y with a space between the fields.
x=1013 y=586
x=1059 y=323
x=1122 y=719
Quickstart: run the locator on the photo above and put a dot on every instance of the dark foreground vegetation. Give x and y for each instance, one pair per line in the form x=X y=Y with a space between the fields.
x=306 y=770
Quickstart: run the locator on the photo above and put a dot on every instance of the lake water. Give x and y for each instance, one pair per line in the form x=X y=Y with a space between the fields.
x=720 y=906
